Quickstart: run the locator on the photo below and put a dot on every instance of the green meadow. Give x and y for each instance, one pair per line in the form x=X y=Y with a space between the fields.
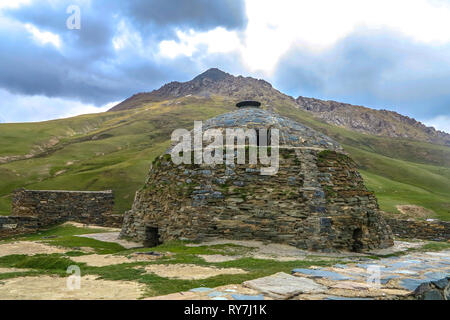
x=114 y=150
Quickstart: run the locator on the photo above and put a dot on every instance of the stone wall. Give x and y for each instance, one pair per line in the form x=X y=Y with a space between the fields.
x=35 y=209
x=414 y=229
x=10 y=226
x=316 y=201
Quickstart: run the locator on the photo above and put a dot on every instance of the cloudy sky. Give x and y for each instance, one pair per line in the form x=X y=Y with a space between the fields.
x=391 y=54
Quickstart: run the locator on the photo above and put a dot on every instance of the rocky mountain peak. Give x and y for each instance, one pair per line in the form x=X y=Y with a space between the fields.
x=213 y=74
x=212 y=82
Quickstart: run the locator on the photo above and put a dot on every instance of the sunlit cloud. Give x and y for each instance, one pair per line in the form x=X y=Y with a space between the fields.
x=43 y=37
x=13 y=3
x=218 y=40
x=276 y=26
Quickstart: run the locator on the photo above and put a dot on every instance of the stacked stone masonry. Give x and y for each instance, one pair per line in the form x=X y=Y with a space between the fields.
x=35 y=209
x=316 y=201
x=415 y=229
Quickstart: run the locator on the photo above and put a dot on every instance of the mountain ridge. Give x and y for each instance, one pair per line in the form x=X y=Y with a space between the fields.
x=371 y=121
x=357 y=118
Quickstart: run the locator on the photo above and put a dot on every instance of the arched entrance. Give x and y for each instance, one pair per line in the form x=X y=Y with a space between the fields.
x=151 y=237
x=357 y=240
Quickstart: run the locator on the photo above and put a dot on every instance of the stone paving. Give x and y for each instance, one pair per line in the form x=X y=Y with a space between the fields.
x=393 y=277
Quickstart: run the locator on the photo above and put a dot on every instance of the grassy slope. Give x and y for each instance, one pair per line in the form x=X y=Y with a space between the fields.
x=119 y=160
x=399 y=171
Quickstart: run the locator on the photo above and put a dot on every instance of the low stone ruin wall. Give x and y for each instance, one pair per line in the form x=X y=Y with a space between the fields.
x=426 y=230
x=113 y=220
x=34 y=209
x=88 y=207
x=10 y=226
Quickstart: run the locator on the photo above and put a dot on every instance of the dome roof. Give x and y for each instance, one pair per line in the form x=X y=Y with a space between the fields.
x=291 y=133
x=316 y=200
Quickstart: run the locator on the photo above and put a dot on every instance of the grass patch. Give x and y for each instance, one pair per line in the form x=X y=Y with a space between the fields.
x=436 y=246
x=48 y=262
x=74 y=242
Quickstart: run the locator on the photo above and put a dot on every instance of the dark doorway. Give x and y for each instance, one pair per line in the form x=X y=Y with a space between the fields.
x=357 y=240
x=151 y=237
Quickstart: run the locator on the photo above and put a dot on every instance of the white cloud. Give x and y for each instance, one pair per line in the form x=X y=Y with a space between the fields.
x=441 y=122
x=14 y=4
x=19 y=108
x=275 y=26
x=218 y=40
x=43 y=37
x=126 y=37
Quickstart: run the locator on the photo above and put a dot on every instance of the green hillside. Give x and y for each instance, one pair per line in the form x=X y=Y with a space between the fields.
x=114 y=150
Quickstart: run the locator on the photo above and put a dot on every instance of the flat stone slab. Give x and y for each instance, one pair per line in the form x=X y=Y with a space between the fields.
x=345 y=298
x=201 y=289
x=246 y=297
x=284 y=286
x=112 y=237
x=411 y=284
x=323 y=274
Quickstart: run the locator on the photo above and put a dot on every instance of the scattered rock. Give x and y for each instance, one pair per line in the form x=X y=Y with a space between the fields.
x=433 y=290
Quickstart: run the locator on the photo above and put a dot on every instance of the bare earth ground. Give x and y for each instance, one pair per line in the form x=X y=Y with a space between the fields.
x=413 y=211
x=399 y=274
x=9 y=270
x=28 y=247
x=189 y=271
x=90 y=226
x=55 y=288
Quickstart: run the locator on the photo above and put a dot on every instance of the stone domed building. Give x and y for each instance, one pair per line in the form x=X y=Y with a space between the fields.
x=316 y=201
